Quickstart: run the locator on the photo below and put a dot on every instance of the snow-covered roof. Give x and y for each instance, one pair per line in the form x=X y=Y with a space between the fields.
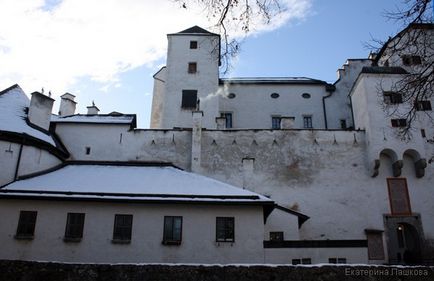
x=95 y=119
x=271 y=80
x=13 y=103
x=119 y=182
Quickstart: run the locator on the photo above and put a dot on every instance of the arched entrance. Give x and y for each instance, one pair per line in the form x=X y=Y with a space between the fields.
x=409 y=248
x=404 y=237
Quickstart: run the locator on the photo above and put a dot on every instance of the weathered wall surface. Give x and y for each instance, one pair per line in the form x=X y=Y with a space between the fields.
x=198 y=233
x=22 y=271
x=9 y=152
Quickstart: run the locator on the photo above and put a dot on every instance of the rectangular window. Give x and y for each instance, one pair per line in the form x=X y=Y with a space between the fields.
x=276 y=236
x=193 y=44
x=275 y=122
x=26 y=224
x=423 y=105
x=398 y=196
x=189 y=99
x=225 y=229
x=337 y=260
x=343 y=123
x=307 y=122
x=398 y=122
x=122 y=228
x=228 y=117
x=192 y=67
x=172 y=234
x=74 y=226
x=411 y=60
x=392 y=97
x=375 y=246
x=302 y=261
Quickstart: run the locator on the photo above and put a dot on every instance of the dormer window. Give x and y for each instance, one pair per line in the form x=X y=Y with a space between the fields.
x=411 y=60
x=193 y=44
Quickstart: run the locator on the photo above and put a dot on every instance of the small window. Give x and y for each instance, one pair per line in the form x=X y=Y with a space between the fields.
x=392 y=97
x=172 y=234
x=122 y=228
x=189 y=99
x=276 y=236
x=275 y=122
x=225 y=229
x=398 y=122
x=74 y=226
x=228 y=117
x=423 y=105
x=26 y=225
x=422 y=133
x=193 y=44
x=343 y=123
x=411 y=60
x=274 y=95
x=337 y=260
x=306 y=95
x=192 y=67
x=307 y=122
x=302 y=261
x=231 y=96
x=87 y=150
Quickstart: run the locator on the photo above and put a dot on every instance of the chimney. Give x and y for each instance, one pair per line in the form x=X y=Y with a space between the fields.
x=196 y=141
x=40 y=110
x=287 y=122
x=92 y=110
x=67 y=105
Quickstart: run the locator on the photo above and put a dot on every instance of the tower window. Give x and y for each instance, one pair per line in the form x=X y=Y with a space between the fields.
x=189 y=99
x=192 y=67
x=343 y=123
x=193 y=44
x=275 y=122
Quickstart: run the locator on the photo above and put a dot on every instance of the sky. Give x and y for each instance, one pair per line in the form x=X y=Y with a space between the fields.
x=107 y=51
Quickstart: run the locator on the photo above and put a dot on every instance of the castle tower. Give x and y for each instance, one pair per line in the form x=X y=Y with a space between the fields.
x=189 y=81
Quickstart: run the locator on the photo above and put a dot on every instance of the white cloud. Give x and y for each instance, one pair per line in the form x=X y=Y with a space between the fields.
x=55 y=43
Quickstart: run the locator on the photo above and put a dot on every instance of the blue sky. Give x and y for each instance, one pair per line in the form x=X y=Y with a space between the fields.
x=109 y=53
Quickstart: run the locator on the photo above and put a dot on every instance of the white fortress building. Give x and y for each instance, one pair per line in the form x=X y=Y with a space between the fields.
x=287 y=170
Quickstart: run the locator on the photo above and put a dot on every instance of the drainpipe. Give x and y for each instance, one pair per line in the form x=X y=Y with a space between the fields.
x=330 y=89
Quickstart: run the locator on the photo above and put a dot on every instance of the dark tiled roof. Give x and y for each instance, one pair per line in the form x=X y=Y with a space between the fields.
x=195 y=29
x=383 y=70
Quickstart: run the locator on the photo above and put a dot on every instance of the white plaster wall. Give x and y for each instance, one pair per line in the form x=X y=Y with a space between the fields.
x=338 y=104
x=34 y=160
x=119 y=143
x=8 y=161
x=205 y=81
x=198 y=233
x=252 y=108
x=279 y=220
x=317 y=255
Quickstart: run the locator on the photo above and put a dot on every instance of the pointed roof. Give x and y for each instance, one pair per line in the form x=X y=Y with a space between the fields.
x=195 y=29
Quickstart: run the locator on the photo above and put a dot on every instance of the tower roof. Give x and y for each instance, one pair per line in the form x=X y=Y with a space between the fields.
x=195 y=29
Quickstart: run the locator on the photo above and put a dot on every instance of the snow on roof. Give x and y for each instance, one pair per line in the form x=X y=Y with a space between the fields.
x=13 y=102
x=97 y=119
x=130 y=182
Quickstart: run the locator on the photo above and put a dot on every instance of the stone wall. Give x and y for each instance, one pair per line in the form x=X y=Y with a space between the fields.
x=20 y=271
